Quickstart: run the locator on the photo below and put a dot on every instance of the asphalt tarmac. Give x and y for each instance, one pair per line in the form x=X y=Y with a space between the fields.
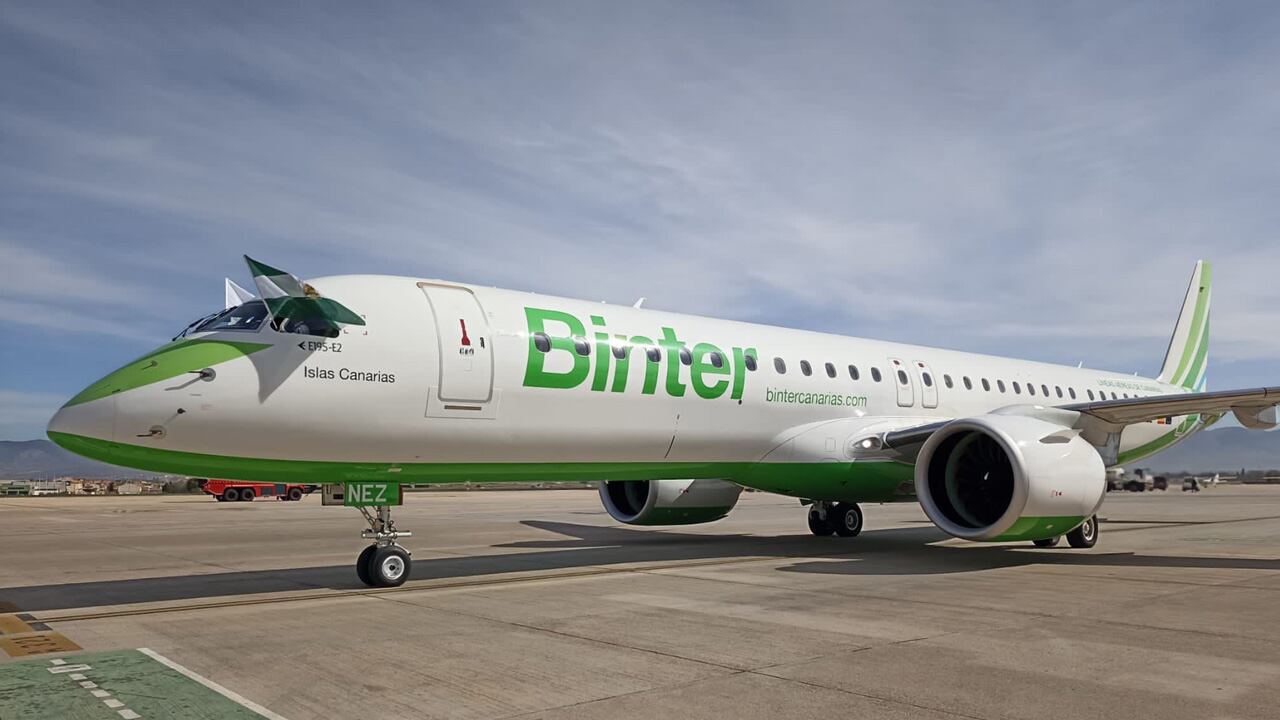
x=536 y=604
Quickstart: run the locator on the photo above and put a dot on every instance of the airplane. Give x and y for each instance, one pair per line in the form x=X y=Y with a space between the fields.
x=363 y=383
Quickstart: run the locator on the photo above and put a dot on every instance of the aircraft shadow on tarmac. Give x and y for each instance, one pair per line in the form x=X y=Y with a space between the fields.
x=899 y=551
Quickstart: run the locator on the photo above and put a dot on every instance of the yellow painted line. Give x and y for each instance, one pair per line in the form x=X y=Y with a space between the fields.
x=14 y=625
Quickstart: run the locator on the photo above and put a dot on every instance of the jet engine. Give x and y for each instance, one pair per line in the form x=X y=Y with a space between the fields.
x=1008 y=477
x=668 y=502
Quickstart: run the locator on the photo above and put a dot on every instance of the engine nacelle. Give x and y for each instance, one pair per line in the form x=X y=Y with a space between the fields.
x=999 y=478
x=668 y=502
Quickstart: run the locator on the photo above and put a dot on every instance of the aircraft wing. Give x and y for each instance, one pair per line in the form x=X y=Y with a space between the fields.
x=1255 y=408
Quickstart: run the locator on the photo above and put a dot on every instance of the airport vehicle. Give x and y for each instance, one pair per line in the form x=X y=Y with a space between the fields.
x=366 y=382
x=243 y=491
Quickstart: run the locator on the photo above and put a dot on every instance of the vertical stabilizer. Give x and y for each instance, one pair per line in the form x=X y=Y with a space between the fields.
x=1188 y=355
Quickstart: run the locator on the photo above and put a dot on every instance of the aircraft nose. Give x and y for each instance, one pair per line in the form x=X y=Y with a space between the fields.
x=93 y=420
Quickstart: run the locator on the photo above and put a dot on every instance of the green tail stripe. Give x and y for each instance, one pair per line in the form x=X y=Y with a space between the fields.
x=1197 y=366
x=1195 y=337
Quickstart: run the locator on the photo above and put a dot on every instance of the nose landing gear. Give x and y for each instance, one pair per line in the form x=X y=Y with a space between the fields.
x=385 y=563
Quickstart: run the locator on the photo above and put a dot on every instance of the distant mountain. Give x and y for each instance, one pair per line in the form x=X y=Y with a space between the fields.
x=1229 y=448
x=41 y=459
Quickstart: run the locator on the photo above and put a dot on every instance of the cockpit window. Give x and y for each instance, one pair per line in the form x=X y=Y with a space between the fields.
x=248 y=316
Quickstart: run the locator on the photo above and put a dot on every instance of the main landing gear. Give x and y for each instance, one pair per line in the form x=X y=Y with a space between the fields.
x=1083 y=537
x=384 y=563
x=843 y=519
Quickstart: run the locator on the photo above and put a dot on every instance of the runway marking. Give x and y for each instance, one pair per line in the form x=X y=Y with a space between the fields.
x=229 y=694
x=39 y=643
x=423 y=587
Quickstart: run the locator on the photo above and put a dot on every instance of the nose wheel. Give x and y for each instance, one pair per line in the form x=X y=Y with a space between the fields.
x=385 y=563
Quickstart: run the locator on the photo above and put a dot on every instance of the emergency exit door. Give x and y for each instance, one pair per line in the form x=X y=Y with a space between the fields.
x=466 y=348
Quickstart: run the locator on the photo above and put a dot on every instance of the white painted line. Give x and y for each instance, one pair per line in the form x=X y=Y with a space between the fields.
x=229 y=694
x=100 y=693
x=113 y=703
x=76 y=676
x=128 y=714
x=88 y=684
x=58 y=661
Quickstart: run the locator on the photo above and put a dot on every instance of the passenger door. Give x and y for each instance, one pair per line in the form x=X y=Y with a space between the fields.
x=466 y=348
x=928 y=385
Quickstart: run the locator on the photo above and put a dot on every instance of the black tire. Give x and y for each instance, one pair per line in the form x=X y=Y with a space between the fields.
x=818 y=526
x=295 y=494
x=1047 y=542
x=220 y=498
x=1085 y=536
x=389 y=566
x=230 y=495
x=362 y=564
x=247 y=494
x=848 y=519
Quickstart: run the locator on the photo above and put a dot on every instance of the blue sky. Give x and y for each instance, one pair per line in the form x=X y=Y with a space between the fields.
x=1032 y=179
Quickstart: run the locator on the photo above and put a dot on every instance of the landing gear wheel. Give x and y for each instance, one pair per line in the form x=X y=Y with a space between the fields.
x=389 y=566
x=848 y=519
x=1047 y=542
x=818 y=525
x=1085 y=536
x=247 y=494
x=362 y=564
x=230 y=495
x=295 y=494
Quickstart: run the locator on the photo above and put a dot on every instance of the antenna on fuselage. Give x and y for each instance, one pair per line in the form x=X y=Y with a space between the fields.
x=639 y=303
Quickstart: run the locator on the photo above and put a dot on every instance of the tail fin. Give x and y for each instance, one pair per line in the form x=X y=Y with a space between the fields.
x=1188 y=354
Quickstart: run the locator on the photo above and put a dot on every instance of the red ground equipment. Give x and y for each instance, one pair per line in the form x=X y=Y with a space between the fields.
x=240 y=490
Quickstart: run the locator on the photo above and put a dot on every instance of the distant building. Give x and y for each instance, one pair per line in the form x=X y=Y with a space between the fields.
x=81 y=486
x=140 y=487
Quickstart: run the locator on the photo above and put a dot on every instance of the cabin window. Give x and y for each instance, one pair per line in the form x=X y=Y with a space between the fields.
x=1114 y=396
x=853 y=372
x=1090 y=394
x=780 y=365
x=875 y=374
x=986 y=385
x=928 y=380
x=750 y=361
x=686 y=357
x=1017 y=388
x=902 y=378
x=1000 y=384
x=806 y=368
x=831 y=370
x=1072 y=392
x=1058 y=389
x=653 y=353
x=946 y=380
x=1031 y=389
x=581 y=346
x=1044 y=389
x=968 y=384
x=717 y=360
x=542 y=342
x=620 y=352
